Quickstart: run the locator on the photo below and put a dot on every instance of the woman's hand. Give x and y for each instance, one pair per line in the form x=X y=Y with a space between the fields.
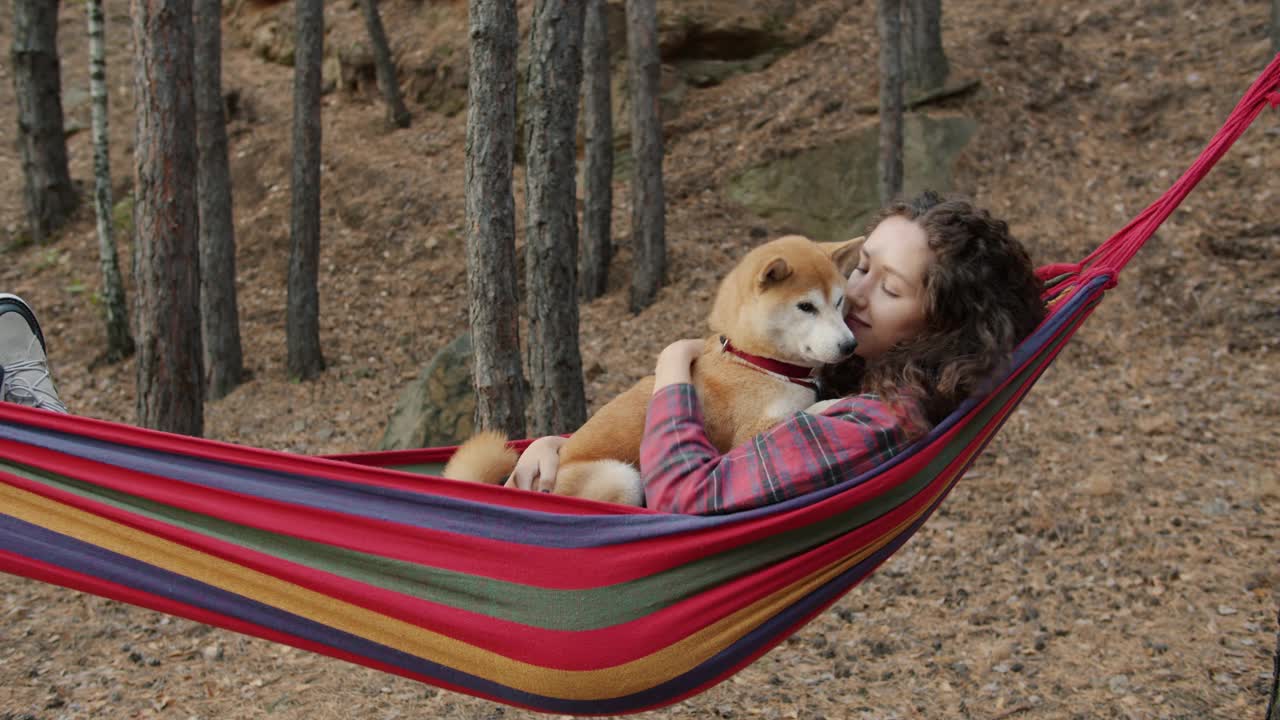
x=536 y=468
x=675 y=364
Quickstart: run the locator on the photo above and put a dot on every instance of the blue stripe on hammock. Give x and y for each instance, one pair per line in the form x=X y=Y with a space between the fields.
x=417 y=509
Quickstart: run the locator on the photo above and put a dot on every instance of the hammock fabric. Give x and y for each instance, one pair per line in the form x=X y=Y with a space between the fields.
x=544 y=602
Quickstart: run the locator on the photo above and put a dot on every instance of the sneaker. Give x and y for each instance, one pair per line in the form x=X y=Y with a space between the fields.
x=25 y=378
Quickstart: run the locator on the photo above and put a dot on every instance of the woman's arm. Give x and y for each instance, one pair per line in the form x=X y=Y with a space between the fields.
x=684 y=473
x=536 y=468
x=675 y=363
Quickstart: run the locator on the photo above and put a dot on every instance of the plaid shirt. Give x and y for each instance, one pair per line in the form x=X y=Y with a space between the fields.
x=684 y=473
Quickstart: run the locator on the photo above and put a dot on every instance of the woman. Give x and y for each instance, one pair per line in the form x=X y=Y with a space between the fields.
x=941 y=295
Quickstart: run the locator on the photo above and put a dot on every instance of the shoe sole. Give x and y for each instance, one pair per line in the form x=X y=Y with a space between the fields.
x=9 y=301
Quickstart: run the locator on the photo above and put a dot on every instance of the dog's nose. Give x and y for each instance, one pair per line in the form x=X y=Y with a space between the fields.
x=848 y=346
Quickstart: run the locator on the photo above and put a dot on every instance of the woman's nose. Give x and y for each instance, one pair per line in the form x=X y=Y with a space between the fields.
x=854 y=293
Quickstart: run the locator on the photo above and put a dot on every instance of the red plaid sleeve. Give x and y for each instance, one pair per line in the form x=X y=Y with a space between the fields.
x=684 y=473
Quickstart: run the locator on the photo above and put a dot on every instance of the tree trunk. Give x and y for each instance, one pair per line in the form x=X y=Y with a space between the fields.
x=597 y=111
x=303 y=318
x=559 y=402
x=1273 y=702
x=1275 y=26
x=889 y=19
x=490 y=212
x=167 y=271
x=924 y=61
x=223 y=356
x=48 y=194
x=648 y=232
x=119 y=340
x=397 y=113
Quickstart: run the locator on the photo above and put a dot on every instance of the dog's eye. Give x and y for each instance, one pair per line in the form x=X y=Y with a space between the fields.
x=807 y=307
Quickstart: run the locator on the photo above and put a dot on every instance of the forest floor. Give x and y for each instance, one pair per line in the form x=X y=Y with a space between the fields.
x=1114 y=554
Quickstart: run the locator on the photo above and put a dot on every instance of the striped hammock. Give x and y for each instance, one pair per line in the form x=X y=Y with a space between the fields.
x=544 y=602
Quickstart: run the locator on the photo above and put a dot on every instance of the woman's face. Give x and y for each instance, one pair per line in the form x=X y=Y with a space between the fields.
x=886 y=291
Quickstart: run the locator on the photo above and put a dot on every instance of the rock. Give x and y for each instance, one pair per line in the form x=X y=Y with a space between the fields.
x=212 y=652
x=438 y=407
x=274 y=42
x=330 y=74
x=724 y=29
x=437 y=79
x=73 y=126
x=74 y=98
x=830 y=192
x=357 y=72
x=1099 y=485
x=1215 y=507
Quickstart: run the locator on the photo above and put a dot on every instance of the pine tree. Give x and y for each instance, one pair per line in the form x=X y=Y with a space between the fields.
x=167 y=258
x=490 y=212
x=302 y=321
x=648 y=220
x=48 y=195
x=924 y=63
x=397 y=113
x=223 y=354
x=1275 y=26
x=597 y=112
x=558 y=398
x=889 y=20
x=1273 y=701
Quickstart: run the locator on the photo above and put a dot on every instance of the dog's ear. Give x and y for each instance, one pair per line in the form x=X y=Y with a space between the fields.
x=844 y=254
x=775 y=271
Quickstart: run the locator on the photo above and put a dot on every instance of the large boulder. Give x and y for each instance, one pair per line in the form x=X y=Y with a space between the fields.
x=439 y=407
x=831 y=192
x=436 y=78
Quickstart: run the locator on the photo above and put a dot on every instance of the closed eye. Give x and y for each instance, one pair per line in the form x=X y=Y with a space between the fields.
x=807 y=307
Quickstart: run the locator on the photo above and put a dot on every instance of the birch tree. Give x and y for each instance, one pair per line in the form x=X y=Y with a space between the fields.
x=119 y=340
x=302 y=320
x=648 y=221
x=490 y=214
x=166 y=270
x=223 y=354
x=48 y=194
x=597 y=111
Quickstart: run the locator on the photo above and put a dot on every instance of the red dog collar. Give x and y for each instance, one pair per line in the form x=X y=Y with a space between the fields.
x=797 y=374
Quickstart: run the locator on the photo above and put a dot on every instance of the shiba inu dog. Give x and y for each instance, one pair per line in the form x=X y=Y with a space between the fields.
x=777 y=316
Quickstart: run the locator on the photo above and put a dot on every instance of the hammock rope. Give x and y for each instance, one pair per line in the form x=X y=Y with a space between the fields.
x=543 y=602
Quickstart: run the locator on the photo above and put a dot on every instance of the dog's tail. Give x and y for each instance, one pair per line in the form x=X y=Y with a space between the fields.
x=485 y=458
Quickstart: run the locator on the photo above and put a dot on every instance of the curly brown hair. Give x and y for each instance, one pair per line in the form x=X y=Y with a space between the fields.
x=982 y=297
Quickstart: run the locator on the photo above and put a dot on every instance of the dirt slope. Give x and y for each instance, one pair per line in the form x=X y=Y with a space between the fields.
x=1113 y=554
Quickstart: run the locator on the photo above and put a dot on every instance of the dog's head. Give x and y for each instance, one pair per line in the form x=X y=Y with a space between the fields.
x=785 y=300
